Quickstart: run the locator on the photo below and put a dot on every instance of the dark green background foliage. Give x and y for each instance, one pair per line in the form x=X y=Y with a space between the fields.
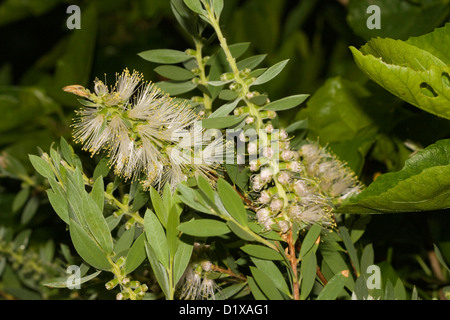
x=364 y=124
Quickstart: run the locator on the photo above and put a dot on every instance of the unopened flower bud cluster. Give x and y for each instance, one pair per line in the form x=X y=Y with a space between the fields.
x=301 y=187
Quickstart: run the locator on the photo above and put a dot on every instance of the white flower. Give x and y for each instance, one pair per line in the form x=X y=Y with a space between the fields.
x=138 y=132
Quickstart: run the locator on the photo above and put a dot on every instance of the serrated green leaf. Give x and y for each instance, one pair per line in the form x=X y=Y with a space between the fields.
x=204 y=228
x=286 y=103
x=412 y=74
x=270 y=73
x=167 y=56
x=423 y=184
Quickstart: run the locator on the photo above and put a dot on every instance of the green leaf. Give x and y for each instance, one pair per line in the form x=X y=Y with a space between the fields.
x=156 y=237
x=158 y=206
x=96 y=223
x=412 y=74
x=255 y=289
x=261 y=252
x=190 y=197
x=62 y=282
x=174 y=73
x=195 y=5
x=286 y=103
x=158 y=269
x=310 y=240
x=174 y=88
x=98 y=193
x=251 y=62
x=41 y=166
x=241 y=232
x=270 y=73
x=182 y=257
x=167 y=56
x=136 y=255
x=204 y=228
x=59 y=204
x=125 y=241
x=232 y=201
x=222 y=122
x=87 y=247
x=367 y=258
x=435 y=43
x=66 y=151
x=20 y=199
x=265 y=283
x=173 y=221
x=308 y=269
x=29 y=210
x=423 y=184
x=440 y=257
x=270 y=269
x=224 y=110
x=334 y=287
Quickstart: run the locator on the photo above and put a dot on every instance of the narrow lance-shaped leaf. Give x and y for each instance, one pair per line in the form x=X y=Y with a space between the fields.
x=270 y=73
x=204 y=228
x=167 y=56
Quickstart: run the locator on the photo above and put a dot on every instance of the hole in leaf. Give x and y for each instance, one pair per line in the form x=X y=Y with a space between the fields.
x=446 y=79
x=427 y=90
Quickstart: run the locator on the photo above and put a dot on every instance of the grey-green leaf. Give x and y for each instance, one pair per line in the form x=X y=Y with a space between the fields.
x=167 y=56
x=87 y=248
x=270 y=73
x=286 y=103
x=204 y=227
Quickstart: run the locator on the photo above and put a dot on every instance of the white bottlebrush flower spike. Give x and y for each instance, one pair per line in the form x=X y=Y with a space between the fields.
x=138 y=126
